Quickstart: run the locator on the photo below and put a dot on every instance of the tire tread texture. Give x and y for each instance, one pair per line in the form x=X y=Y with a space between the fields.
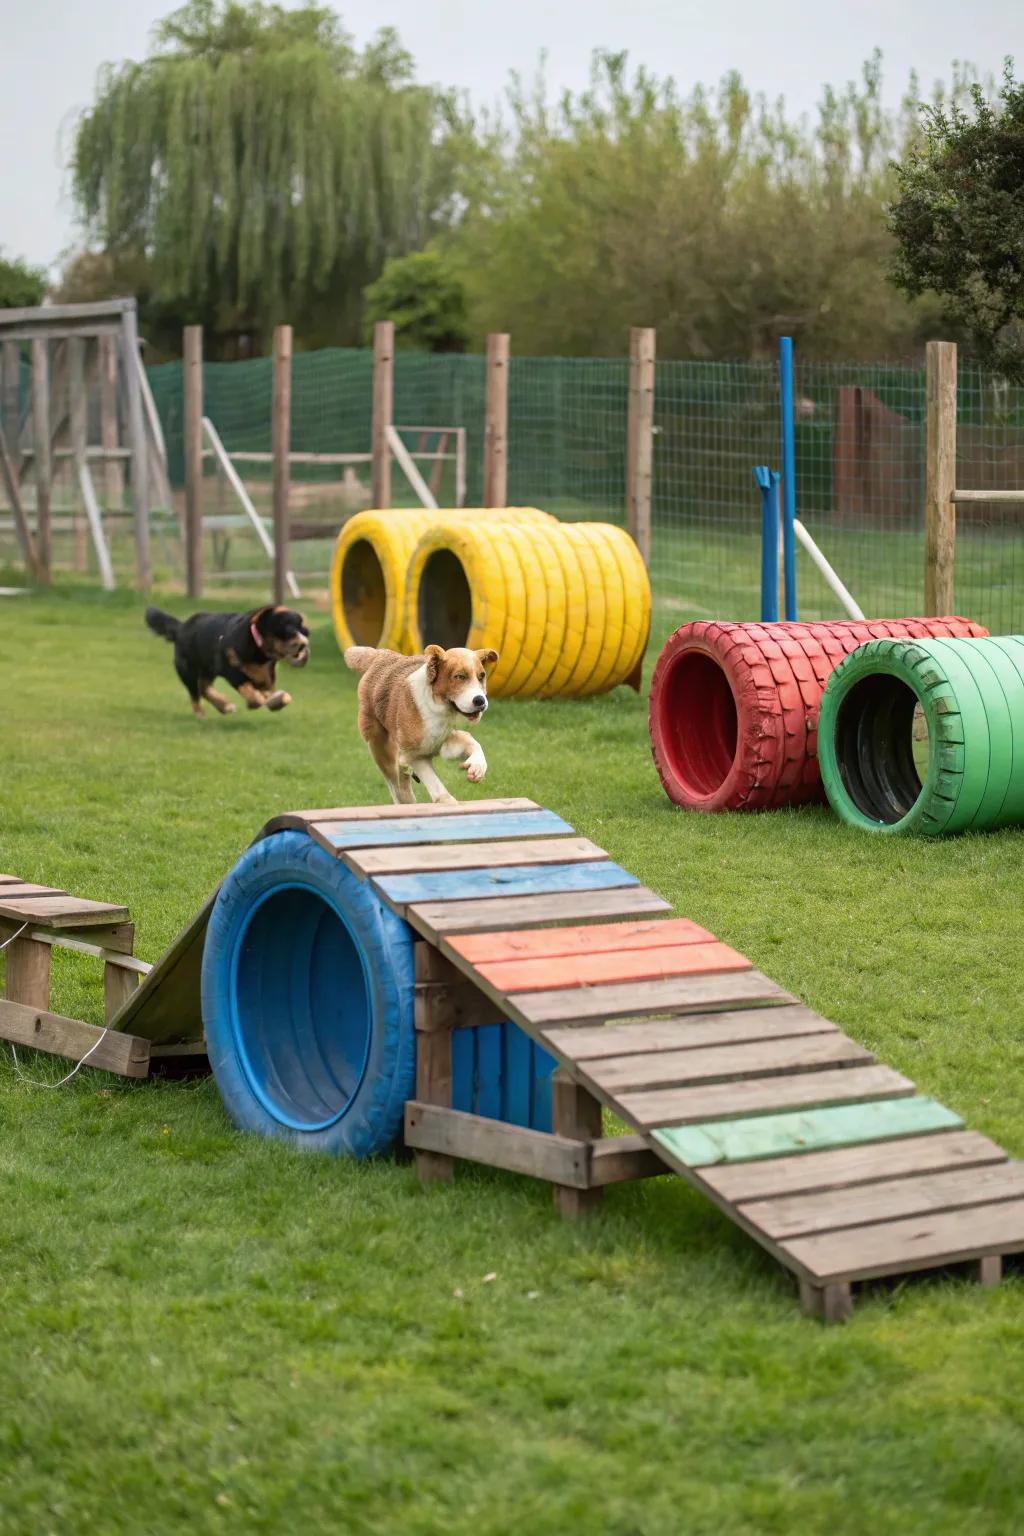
x=372 y=1121
x=777 y=674
x=972 y=694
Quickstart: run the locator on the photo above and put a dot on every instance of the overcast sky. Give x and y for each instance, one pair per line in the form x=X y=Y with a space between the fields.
x=51 y=50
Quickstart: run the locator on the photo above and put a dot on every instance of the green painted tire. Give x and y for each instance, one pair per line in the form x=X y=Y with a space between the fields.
x=971 y=693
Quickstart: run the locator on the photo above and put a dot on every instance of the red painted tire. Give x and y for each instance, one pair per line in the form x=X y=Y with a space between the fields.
x=733 y=712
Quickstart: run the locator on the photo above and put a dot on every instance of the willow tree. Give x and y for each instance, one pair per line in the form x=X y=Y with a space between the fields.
x=263 y=167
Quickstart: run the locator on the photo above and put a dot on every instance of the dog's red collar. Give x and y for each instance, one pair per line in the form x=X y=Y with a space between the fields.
x=257 y=641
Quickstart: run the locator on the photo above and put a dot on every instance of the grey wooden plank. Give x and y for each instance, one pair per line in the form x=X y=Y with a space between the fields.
x=431 y=856
x=761 y=1096
x=494 y=913
x=677 y=994
x=685 y=1032
x=758 y=1058
x=866 y=1204
x=918 y=1242
x=868 y=1163
x=451 y=1133
x=59 y=1036
x=68 y=912
x=13 y=890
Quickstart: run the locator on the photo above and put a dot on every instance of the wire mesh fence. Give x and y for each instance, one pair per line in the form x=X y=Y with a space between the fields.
x=860 y=454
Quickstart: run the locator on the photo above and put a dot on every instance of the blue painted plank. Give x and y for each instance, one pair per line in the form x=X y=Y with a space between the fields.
x=517 y=1076
x=786 y=1135
x=445 y=829
x=543 y=1066
x=488 y=1071
x=463 y=1069
x=514 y=880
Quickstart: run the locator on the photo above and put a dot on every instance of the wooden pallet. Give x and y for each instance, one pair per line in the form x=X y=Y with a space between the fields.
x=829 y=1159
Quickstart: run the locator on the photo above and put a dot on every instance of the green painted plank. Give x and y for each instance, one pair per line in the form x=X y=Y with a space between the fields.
x=846 y=1125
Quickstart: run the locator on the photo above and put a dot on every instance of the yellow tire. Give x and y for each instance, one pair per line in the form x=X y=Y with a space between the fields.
x=636 y=591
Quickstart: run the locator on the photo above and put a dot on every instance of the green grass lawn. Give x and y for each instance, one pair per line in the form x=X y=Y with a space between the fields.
x=202 y=1332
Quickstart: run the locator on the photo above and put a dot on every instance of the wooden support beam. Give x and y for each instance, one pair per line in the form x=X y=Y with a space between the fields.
x=41 y=461
x=78 y=402
x=496 y=421
x=830 y=1303
x=113 y=474
x=193 y=378
x=383 y=405
x=575 y=1114
x=137 y=440
x=23 y=532
x=281 y=410
x=452 y=1134
x=58 y=1036
x=10 y=406
x=640 y=437
x=119 y=984
x=940 y=477
x=433 y=1078
x=28 y=973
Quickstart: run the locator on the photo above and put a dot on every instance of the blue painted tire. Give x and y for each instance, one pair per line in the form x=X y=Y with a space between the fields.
x=308 y=1001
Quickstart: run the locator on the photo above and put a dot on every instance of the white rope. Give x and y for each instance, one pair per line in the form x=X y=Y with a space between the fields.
x=34 y=1082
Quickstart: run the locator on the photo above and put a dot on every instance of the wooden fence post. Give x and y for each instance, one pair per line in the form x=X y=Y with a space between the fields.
x=10 y=419
x=940 y=477
x=78 y=406
x=113 y=477
x=131 y=364
x=281 y=420
x=640 y=437
x=41 y=457
x=496 y=421
x=383 y=401
x=193 y=377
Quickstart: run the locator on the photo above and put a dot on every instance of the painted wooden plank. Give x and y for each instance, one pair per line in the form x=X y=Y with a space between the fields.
x=919 y=1242
x=487 y=1095
x=517 y=1075
x=515 y=880
x=618 y=965
x=691 y=1031
x=762 y=1095
x=463 y=1069
x=597 y=938
x=472 y=856
x=68 y=912
x=299 y=820
x=759 y=1058
x=866 y=1164
x=443 y=829
x=864 y=1205
x=678 y=994
x=436 y=918
x=781 y=1135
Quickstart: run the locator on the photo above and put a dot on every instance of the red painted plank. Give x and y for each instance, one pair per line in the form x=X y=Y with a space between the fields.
x=600 y=938
x=619 y=965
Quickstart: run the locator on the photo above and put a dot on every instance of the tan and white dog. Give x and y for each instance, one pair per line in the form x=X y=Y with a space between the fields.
x=410 y=708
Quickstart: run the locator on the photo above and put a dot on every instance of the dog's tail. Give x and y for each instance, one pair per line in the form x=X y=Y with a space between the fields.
x=161 y=623
x=360 y=657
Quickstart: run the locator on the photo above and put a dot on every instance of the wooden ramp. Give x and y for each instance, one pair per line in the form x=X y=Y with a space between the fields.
x=829 y=1159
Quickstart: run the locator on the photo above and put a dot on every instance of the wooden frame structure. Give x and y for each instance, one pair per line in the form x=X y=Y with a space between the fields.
x=942 y=494
x=78 y=354
x=830 y=1160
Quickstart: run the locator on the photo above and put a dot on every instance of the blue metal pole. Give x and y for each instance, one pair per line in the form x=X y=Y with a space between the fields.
x=788 y=474
x=768 y=484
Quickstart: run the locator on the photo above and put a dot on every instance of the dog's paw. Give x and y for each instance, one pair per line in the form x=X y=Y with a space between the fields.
x=475 y=766
x=279 y=699
x=228 y=708
x=445 y=799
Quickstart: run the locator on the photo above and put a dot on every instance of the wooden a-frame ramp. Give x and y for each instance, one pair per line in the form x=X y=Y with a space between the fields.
x=830 y=1160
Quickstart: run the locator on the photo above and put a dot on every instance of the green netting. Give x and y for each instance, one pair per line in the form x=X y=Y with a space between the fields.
x=860 y=444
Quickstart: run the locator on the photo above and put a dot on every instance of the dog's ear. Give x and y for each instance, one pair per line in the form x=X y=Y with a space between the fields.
x=487 y=659
x=435 y=656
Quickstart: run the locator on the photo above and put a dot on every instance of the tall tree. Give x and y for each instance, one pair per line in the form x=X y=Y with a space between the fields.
x=958 y=218
x=714 y=216
x=263 y=166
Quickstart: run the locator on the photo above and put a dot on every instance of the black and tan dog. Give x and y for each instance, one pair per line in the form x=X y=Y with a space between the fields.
x=243 y=648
